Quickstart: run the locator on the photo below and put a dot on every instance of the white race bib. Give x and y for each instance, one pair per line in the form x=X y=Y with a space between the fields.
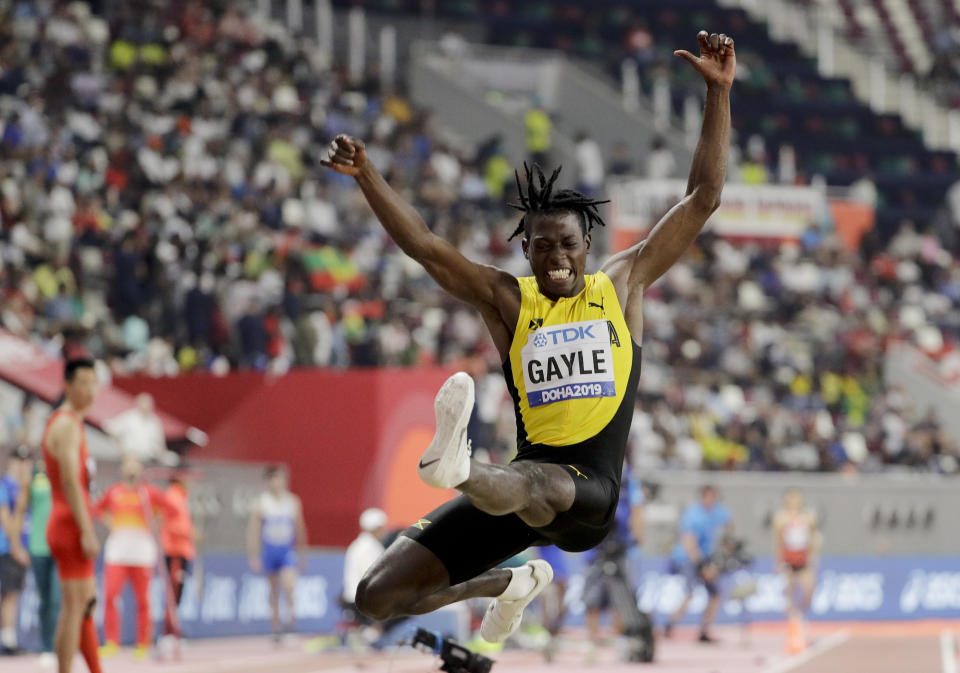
x=796 y=537
x=569 y=361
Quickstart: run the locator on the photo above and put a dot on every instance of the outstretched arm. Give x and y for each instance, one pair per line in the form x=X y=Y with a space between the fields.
x=638 y=267
x=468 y=281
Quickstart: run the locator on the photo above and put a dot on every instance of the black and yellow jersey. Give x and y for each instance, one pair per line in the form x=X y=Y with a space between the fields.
x=573 y=371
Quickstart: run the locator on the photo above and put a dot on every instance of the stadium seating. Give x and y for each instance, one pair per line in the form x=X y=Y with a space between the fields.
x=172 y=205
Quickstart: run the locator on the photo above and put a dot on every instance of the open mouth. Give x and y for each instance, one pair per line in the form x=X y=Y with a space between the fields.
x=558 y=274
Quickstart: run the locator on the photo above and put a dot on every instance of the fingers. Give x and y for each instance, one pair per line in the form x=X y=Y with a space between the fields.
x=703 y=40
x=340 y=147
x=691 y=59
x=714 y=43
x=341 y=151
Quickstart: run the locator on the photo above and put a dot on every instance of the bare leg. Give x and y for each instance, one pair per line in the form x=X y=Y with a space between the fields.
x=409 y=579
x=554 y=609
x=8 y=614
x=791 y=590
x=808 y=581
x=709 y=613
x=75 y=598
x=288 y=580
x=489 y=584
x=274 y=580
x=536 y=492
x=593 y=625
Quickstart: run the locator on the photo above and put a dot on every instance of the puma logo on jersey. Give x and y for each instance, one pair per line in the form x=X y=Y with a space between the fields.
x=593 y=304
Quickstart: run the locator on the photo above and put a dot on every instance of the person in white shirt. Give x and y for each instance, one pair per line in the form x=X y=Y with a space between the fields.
x=363 y=551
x=590 y=166
x=138 y=432
x=277 y=545
x=360 y=556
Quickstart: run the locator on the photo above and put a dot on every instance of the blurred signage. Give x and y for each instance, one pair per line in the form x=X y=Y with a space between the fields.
x=747 y=211
x=229 y=600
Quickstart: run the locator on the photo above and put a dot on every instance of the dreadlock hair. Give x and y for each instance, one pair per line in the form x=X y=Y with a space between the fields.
x=542 y=200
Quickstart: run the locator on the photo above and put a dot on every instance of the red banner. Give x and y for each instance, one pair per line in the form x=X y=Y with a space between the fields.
x=350 y=439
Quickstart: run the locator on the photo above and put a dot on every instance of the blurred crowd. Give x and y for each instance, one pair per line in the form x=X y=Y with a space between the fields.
x=161 y=195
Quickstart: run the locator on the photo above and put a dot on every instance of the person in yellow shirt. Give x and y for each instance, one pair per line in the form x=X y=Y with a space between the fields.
x=568 y=343
x=539 y=127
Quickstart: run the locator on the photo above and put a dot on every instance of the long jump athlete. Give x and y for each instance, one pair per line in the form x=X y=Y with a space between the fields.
x=570 y=363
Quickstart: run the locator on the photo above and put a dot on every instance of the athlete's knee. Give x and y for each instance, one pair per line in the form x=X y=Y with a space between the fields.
x=377 y=600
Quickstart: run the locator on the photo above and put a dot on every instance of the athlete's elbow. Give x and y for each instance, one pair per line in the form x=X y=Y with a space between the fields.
x=706 y=199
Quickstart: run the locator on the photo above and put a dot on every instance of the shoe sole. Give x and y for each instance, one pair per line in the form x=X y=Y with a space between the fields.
x=543 y=574
x=452 y=407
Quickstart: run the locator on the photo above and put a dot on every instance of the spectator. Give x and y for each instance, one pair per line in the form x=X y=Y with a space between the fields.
x=45 y=575
x=589 y=165
x=179 y=537
x=539 y=128
x=660 y=162
x=702 y=525
x=130 y=553
x=138 y=432
x=14 y=559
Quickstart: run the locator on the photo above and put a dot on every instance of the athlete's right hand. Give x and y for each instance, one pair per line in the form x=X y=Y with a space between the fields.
x=21 y=556
x=346 y=155
x=90 y=544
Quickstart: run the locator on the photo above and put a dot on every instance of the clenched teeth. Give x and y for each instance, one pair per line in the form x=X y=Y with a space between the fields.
x=559 y=274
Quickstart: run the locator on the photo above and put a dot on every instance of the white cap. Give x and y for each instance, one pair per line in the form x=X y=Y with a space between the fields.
x=372 y=519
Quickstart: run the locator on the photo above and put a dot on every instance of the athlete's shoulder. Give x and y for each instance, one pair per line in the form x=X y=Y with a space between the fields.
x=62 y=425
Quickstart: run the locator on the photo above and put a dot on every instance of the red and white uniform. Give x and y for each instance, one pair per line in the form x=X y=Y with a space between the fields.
x=63 y=532
x=796 y=538
x=130 y=553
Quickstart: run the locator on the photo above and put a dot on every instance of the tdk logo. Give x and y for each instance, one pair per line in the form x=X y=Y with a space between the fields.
x=563 y=336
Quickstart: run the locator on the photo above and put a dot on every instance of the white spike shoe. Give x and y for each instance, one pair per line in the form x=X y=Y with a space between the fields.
x=503 y=616
x=446 y=462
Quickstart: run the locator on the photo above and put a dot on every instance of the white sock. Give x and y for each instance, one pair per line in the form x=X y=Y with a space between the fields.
x=521 y=583
x=8 y=637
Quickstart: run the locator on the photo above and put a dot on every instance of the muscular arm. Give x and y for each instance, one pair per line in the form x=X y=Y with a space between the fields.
x=64 y=444
x=638 y=267
x=476 y=284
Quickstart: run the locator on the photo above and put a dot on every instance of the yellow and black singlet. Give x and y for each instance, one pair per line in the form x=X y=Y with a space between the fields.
x=573 y=371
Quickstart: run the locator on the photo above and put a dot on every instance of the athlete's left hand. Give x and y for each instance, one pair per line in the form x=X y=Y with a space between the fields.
x=718 y=61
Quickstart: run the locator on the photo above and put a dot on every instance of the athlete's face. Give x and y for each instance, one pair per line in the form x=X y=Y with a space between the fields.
x=557 y=249
x=277 y=482
x=793 y=501
x=83 y=389
x=132 y=470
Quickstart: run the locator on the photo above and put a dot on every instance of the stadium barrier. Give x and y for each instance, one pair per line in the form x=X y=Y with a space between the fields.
x=231 y=601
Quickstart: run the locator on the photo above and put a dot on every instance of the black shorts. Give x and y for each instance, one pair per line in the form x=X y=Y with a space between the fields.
x=12 y=575
x=469 y=541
